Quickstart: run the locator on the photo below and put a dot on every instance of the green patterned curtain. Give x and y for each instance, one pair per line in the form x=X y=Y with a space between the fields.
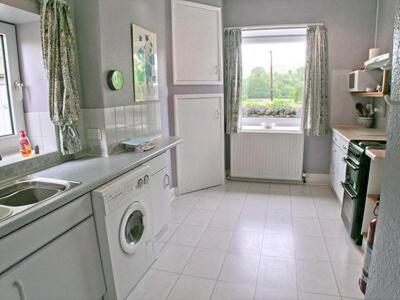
x=59 y=56
x=315 y=122
x=232 y=78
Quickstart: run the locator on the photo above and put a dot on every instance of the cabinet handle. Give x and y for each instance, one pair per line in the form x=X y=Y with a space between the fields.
x=166 y=180
x=216 y=69
x=20 y=288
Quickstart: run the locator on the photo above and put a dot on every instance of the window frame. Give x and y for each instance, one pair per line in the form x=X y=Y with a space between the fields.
x=262 y=40
x=9 y=143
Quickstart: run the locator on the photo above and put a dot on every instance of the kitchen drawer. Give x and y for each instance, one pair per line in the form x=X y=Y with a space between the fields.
x=22 y=242
x=340 y=141
x=336 y=179
x=158 y=163
x=67 y=268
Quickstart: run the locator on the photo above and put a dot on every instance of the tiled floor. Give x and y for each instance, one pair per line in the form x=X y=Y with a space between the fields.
x=255 y=241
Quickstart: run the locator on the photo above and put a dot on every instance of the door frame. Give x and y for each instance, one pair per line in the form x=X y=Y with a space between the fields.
x=180 y=97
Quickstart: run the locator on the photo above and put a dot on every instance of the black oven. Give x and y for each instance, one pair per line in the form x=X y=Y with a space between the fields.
x=355 y=187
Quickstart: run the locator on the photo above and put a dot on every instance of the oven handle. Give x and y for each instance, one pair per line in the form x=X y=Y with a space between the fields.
x=347 y=191
x=350 y=164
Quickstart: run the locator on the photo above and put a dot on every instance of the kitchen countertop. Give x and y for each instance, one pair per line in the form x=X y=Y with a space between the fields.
x=92 y=172
x=376 y=154
x=357 y=133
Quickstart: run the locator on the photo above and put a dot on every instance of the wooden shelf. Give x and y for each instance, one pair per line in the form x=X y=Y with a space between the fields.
x=385 y=88
x=369 y=94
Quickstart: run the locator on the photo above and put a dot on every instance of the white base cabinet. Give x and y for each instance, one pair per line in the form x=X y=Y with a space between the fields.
x=160 y=189
x=338 y=165
x=67 y=268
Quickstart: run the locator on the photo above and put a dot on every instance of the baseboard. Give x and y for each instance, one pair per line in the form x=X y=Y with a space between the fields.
x=317 y=179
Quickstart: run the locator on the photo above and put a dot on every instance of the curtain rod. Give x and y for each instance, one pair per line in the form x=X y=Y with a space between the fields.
x=282 y=26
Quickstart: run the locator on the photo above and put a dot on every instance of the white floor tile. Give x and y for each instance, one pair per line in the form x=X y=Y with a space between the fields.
x=193 y=288
x=347 y=276
x=263 y=293
x=278 y=224
x=315 y=277
x=187 y=235
x=231 y=205
x=328 y=210
x=255 y=205
x=205 y=263
x=333 y=228
x=208 y=202
x=277 y=273
x=344 y=250
x=306 y=227
x=147 y=290
x=278 y=245
x=179 y=213
x=312 y=248
x=304 y=210
x=246 y=242
x=240 y=268
x=251 y=222
x=216 y=238
x=199 y=217
x=280 y=208
x=232 y=291
x=224 y=220
x=172 y=227
x=258 y=188
x=173 y=258
x=308 y=296
x=186 y=200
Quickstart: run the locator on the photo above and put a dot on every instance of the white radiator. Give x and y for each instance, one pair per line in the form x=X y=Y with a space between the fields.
x=264 y=155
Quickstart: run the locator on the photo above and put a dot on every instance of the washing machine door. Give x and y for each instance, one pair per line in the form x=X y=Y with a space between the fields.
x=133 y=227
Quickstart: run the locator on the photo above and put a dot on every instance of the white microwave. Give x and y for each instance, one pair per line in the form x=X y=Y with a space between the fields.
x=360 y=80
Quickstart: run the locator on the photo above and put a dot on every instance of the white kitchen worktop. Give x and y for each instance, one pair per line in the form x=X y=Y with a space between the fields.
x=351 y=133
x=91 y=172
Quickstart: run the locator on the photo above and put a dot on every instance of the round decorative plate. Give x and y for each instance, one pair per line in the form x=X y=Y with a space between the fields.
x=115 y=80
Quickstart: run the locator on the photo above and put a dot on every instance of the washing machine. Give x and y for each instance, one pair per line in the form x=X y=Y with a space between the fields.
x=122 y=211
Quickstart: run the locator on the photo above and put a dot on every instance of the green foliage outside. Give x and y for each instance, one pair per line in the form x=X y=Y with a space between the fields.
x=287 y=93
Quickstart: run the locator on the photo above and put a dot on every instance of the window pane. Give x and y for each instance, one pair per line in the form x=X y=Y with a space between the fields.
x=273 y=72
x=6 y=124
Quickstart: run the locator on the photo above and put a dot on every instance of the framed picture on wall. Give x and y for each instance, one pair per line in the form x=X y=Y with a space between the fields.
x=145 y=74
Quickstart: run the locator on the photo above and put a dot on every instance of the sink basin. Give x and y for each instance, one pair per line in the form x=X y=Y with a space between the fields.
x=5 y=212
x=28 y=191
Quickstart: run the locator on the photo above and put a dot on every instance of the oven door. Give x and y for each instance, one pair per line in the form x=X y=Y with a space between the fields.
x=350 y=213
x=352 y=174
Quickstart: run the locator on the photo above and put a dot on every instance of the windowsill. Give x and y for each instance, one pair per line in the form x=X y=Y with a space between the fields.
x=275 y=129
x=16 y=157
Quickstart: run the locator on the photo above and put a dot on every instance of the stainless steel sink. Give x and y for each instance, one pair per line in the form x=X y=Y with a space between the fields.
x=25 y=192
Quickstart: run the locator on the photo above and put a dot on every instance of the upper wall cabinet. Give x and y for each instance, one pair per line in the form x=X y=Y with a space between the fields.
x=197 y=43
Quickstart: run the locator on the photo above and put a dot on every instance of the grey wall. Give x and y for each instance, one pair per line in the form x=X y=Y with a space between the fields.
x=32 y=70
x=385 y=266
x=104 y=43
x=350 y=34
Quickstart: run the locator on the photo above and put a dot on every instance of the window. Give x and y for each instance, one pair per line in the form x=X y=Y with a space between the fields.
x=273 y=79
x=11 y=108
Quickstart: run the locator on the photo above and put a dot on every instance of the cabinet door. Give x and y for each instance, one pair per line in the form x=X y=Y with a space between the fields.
x=197 y=43
x=161 y=208
x=67 y=268
x=200 y=157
